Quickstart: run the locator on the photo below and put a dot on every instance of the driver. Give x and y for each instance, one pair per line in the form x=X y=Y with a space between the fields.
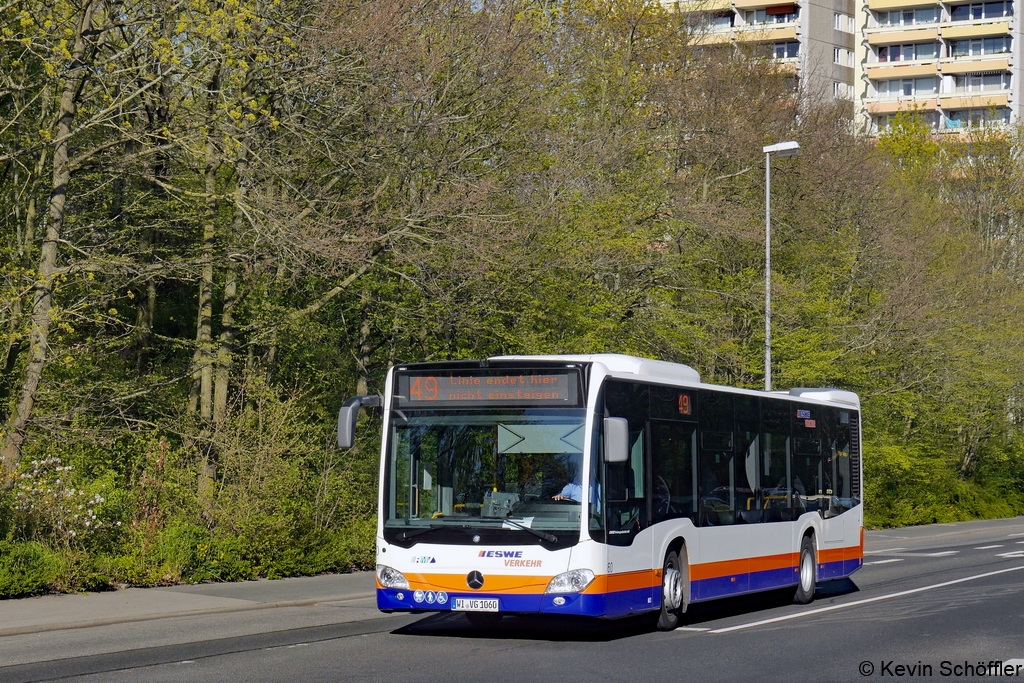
x=574 y=489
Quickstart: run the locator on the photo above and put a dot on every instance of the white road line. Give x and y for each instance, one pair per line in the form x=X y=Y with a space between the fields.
x=1015 y=535
x=866 y=601
x=1020 y=542
x=895 y=559
x=875 y=552
x=1014 y=553
x=692 y=628
x=988 y=547
x=944 y=553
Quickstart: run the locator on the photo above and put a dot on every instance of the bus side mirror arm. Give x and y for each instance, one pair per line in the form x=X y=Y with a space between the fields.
x=616 y=439
x=348 y=415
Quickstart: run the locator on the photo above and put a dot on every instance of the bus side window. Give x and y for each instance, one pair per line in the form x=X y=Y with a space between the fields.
x=749 y=498
x=716 y=475
x=626 y=502
x=844 y=493
x=672 y=449
x=806 y=467
x=775 y=474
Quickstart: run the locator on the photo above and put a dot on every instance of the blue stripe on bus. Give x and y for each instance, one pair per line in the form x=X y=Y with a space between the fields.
x=617 y=604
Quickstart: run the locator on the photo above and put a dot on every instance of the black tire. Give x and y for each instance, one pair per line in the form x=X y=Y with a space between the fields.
x=807 y=573
x=484 y=619
x=674 y=579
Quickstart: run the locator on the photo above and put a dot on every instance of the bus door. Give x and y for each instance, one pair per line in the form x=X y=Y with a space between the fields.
x=632 y=585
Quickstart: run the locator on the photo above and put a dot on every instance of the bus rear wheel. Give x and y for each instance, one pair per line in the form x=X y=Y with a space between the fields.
x=804 y=592
x=673 y=591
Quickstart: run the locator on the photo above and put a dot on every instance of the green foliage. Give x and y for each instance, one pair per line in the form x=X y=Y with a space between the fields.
x=273 y=203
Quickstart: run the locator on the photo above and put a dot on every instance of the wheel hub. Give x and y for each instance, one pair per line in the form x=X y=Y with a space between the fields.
x=806 y=572
x=672 y=588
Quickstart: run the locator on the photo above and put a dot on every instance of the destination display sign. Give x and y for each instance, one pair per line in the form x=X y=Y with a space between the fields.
x=480 y=389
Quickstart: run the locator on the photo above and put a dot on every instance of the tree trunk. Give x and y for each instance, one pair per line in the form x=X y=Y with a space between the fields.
x=42 y=299
x=226 y=347
x=363 y=360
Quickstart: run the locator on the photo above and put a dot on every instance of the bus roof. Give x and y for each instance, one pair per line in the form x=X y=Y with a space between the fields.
x=658 y=369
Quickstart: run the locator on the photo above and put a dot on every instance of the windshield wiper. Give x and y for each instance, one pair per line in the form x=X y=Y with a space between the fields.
x=543 y=535
x=406 y=535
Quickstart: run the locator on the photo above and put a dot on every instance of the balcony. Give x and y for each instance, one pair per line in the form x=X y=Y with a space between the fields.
x=881 y=5
x=880 y=106
x=765 y=33
x=979 y=100
x=719 y=37
x=967 y=65
x=976 y=29
x=757 y=4
x=891 y=37
x=701 y=5
x=891 y=70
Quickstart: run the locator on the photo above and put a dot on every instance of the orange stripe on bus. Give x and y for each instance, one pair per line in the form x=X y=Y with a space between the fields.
x=493 y=583
x=832 y=555
x=610 y=583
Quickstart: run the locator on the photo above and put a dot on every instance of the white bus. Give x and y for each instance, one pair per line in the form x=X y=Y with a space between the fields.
x=607 y=486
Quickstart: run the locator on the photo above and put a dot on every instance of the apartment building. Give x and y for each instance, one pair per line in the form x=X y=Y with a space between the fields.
x=816 y=39
x=953 y=62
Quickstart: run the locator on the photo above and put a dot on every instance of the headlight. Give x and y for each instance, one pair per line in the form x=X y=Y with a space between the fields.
x=570 y=582
x=391 y=578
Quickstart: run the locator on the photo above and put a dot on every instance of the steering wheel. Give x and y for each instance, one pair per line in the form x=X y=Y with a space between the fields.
x=662 y=496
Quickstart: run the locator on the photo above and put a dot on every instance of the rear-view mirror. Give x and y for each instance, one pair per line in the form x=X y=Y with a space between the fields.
x=349 y=414
x=616 y=439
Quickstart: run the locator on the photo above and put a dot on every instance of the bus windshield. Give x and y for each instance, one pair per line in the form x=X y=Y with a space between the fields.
x=476 y=469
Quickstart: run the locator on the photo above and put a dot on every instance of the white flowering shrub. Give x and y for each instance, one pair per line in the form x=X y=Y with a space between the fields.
x=47 y=503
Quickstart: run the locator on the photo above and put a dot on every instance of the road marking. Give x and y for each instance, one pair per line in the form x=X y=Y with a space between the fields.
x=988 y=547
x=1015 y=535
x=832 y=608
x=691 y=628
x=875 y=552
x=944 y=553
x=1020 y=542
x=895 y=559
x=1012 y=553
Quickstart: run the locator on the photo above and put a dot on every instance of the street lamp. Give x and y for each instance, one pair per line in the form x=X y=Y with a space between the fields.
x=783 y=149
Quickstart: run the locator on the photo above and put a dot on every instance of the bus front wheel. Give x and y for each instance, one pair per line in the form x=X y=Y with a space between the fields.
x=804 y=592
x=673 y=591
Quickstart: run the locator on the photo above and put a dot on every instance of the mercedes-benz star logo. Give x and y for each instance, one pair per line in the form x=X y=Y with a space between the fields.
x=475 y=580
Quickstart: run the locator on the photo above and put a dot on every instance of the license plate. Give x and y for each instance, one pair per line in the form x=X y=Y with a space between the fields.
x=475 y=604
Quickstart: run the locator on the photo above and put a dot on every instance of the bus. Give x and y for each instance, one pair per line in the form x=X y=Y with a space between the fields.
x=606 y=486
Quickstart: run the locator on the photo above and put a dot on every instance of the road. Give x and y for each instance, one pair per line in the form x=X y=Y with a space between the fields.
x=942 y=602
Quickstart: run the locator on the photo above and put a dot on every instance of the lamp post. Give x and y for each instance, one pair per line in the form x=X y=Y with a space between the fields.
x=783 y=149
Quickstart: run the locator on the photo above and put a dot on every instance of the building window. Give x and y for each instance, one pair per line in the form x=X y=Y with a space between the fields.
x=907 y=87
x=980 y=46
x=786 y=50
x=884 y=122
x=836 y=55
x=908 y=17
x=979 y=10
x=842 y=91
x=994 y=117
x=843 y=22
x=982 y=82
x=780 y=14
x=908 y=53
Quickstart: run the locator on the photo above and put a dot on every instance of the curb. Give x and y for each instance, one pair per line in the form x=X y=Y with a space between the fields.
x=44 y=628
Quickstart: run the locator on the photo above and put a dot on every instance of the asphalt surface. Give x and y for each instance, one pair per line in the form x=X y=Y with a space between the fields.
x=943 y=602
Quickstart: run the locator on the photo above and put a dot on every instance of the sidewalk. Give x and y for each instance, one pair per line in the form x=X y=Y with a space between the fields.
x=61 y=612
